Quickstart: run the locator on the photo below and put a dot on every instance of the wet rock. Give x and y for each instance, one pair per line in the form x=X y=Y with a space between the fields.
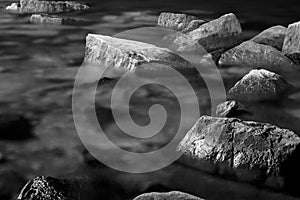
x=130 y=55
x=260 y=85
x=222 y=33
x=273 y=36
x=37 y=6
x=15 y=127
x=249 y=151
x=231 y=108
x=51 y=19
x=48 y=188
x=251 y=54
x=10 y=184
x=175 y=195
x=175 y=21
x=291 y=46
x=193 y=25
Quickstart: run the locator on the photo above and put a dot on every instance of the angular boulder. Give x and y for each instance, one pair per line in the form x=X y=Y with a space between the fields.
x=291 y=46
x=174 y=195
x=130 y=55
x=260 y=85
x=40 y=6
x=251 y=54
x=273 y=36
x=231 y=108
x=175 y=21
x=196 y=23
x=255 y=152
x=51 y=19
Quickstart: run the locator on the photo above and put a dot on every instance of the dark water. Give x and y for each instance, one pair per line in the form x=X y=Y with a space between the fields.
x=38 y=64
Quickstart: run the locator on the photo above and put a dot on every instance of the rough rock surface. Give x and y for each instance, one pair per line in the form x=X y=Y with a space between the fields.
x=273 y=36
x=260 y=85
x=251 y=54
x=250 y=151
x=129 y=55
x=37 y=6
x=291 y=46
x=193 y=25
x=175 y=21
x=230 y=108
x=51 y=19
x=222 y=33
x=175 y=195
x=48 y=188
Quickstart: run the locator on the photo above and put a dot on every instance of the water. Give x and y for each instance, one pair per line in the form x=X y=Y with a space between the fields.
x=38 y=64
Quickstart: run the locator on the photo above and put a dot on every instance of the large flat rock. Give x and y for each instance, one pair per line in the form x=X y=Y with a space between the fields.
x=259 y=153
x=291 y=46
x=130 y=55
x=175 y=21
x=175 y=195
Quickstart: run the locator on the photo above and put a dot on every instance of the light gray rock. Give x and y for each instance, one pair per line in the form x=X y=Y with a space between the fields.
x=174 y=195
x=253 y=55
x=255 y=152
x=273 y=36
x=174 y=20
x=231 y=108
x=193 y=25
x=260 y=85
x=130 y=55
x=291 y=46
x=51 y=19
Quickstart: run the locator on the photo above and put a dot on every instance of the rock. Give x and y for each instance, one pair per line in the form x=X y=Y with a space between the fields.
x=51 y=19
x=37 y=6
x=230 y=108
x=175 y=21
x=222 y=33
x=260 y=85
x=291 y=46
x=273 y=36
x=48 y=188
x=15 y=127
x=255 y=152
x=196 y=23
x=174 y=195
x=251 y=54
x=130 y=55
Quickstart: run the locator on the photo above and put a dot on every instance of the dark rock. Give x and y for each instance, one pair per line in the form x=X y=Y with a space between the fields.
x=193 y=25
x=249 y=151
x=10 y=184
x=51 y=19
x=273 y=36
x=175 y=21
x=175 y=195
x=15 y=127
x=251 y=54
x=230 y=108
x=37 y=6
x=260 y=85
x=291 y=46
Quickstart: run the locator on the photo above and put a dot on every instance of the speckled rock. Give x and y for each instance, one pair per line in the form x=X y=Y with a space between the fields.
x=231 y=108
x=175 y=21
x=175 y=195
x=259 y=153
x=260 y=85
x=193 y=25
x=291 y=46
x=129 y=55
x=273 y=36
x=251 y=54
x=37 y=6
x=51 y=19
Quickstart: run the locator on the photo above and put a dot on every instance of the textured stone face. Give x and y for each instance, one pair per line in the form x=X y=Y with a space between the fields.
x=260 y=85
x=167 y=196
x=175 y=21
x=193 y=25
x=253 y=151
x=251 y=54
x=230 y=109
x=128 y=54
x=51 y=19
x=291 y=46
x=273 y=36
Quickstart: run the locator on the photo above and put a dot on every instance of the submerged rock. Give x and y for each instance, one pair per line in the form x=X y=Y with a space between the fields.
x=175 y=195
x=291 y=46
x=51 y=19
x=231 y=108
x=37 y=6
x=193 y=25
x=130 y=55
x=251 y=54
x=249 y=151
x=175 y=21
x=260 y=85
x=273 y=36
